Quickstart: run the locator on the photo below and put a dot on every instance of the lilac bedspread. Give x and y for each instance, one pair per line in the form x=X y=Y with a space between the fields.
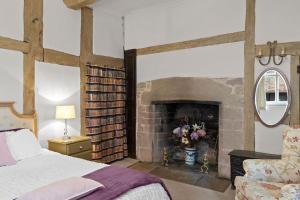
x=118 y=181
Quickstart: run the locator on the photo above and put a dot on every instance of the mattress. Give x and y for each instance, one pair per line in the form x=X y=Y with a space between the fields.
x=32 y=173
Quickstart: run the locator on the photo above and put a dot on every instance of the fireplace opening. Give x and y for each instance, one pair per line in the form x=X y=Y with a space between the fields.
x=171 y=115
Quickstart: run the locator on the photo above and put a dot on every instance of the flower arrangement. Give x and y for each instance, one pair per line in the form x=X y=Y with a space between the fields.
x=188 y=134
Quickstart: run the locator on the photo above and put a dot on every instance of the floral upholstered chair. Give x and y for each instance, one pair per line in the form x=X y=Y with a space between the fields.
x=273 y=179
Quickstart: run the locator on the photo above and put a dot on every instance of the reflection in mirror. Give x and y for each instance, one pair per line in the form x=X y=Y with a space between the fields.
x=272 y=97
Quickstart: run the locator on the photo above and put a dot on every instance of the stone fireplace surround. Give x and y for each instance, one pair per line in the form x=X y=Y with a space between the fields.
x=228 y=91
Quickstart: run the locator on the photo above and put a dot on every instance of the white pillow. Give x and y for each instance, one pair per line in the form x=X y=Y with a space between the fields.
x=22 y=144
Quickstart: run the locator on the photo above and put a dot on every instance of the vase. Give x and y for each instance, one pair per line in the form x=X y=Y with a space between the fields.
x=190 y=156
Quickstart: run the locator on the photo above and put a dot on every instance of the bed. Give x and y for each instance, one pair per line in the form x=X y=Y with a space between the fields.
x=47 y=167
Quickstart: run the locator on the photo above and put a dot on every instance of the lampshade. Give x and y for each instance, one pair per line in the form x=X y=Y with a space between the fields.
x=65 y=112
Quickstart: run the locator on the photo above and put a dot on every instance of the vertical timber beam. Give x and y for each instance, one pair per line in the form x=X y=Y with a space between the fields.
x=249 y=59
x=130 y=65
x=295 y=107
x=86 y=55
x=33 y=34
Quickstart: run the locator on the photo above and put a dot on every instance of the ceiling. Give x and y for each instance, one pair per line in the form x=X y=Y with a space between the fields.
x=123 y=7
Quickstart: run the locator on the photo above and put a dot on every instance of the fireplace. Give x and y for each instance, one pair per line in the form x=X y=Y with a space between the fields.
x=170 y=114
x=158 y=100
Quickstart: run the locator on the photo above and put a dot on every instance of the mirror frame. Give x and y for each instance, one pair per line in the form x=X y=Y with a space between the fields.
x=289 y=97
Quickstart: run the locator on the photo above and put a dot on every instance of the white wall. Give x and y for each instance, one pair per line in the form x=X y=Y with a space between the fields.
x=56 y=85
x=61 y=27
x=268 y=140
x=11 y=19
x=214 y=62
x=183 y=20
x=11 y=77
x=108 y=34
x=277 y=20
x=11 y=62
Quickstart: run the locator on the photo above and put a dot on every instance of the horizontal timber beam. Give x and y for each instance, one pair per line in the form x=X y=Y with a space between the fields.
x=291 y=48
x=106 y=60
x=78 y=4
x=214 y=40
x=12 y=44
x=60 y=58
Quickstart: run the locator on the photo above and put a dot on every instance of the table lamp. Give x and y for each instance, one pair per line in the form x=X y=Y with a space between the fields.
x=65 y=112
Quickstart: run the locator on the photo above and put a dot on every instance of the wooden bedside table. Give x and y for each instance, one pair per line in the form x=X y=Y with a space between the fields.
x=77 y=146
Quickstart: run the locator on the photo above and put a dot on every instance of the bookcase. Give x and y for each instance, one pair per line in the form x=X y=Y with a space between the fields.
x=105 y=112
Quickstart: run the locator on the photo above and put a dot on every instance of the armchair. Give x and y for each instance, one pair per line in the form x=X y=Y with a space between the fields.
x=273 y=179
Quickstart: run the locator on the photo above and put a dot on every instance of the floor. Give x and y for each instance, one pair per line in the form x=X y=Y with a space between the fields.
x=178 y=190
x=180 y=172
x=127 y=162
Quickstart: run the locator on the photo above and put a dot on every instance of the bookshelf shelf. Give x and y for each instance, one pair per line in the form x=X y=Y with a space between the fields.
x=105 y=112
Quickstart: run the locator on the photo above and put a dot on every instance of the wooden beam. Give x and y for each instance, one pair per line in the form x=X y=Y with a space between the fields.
x=77 y=4
x=11 y=44
x=110 y=61
x=130 y=58
x=249 y=57
x=86 y=39
x=295 y=107
x=60 y=58
x=33 y=26
x=214 y=40
x=86 y=55
x=33 y=34
x=291 y=48
x=28 y=84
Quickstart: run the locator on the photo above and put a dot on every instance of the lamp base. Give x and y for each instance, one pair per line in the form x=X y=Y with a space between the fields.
x=66 y=137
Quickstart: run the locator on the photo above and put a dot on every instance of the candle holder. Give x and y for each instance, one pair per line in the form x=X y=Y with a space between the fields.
x=272 y=49
x=165 y=161
x=205 y=166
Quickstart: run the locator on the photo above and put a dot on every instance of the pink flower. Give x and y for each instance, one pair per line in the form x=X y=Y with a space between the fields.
x=201 y=133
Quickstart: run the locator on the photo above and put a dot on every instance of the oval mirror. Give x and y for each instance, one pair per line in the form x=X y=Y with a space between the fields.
x=272 y=97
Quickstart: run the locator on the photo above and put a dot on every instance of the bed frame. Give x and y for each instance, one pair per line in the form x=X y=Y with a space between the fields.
x=11 y=119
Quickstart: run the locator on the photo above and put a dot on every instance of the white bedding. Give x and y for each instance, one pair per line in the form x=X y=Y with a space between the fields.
x=41 y=170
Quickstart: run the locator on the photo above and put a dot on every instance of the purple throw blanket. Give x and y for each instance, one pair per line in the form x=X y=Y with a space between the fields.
x=118 y=181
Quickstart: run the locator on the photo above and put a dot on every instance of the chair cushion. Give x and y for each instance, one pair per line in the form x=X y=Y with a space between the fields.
x=256 y=190
x=291 y=143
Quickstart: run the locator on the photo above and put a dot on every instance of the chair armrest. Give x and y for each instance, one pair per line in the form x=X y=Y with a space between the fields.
x=280 y=171
x=290 y=191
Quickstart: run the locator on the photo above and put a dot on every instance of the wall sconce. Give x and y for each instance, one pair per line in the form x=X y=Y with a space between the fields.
x=272 y=49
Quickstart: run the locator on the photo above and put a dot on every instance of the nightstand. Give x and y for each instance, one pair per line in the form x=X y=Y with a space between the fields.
x=77 y=146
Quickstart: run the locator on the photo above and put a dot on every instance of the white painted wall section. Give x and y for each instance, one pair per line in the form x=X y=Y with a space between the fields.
x=11 y=19
x=108 y=34
x=277 y=20
x=217 y=61
x=11 y=77
x=183 y=20
x=61 y=27
x=56 y=85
